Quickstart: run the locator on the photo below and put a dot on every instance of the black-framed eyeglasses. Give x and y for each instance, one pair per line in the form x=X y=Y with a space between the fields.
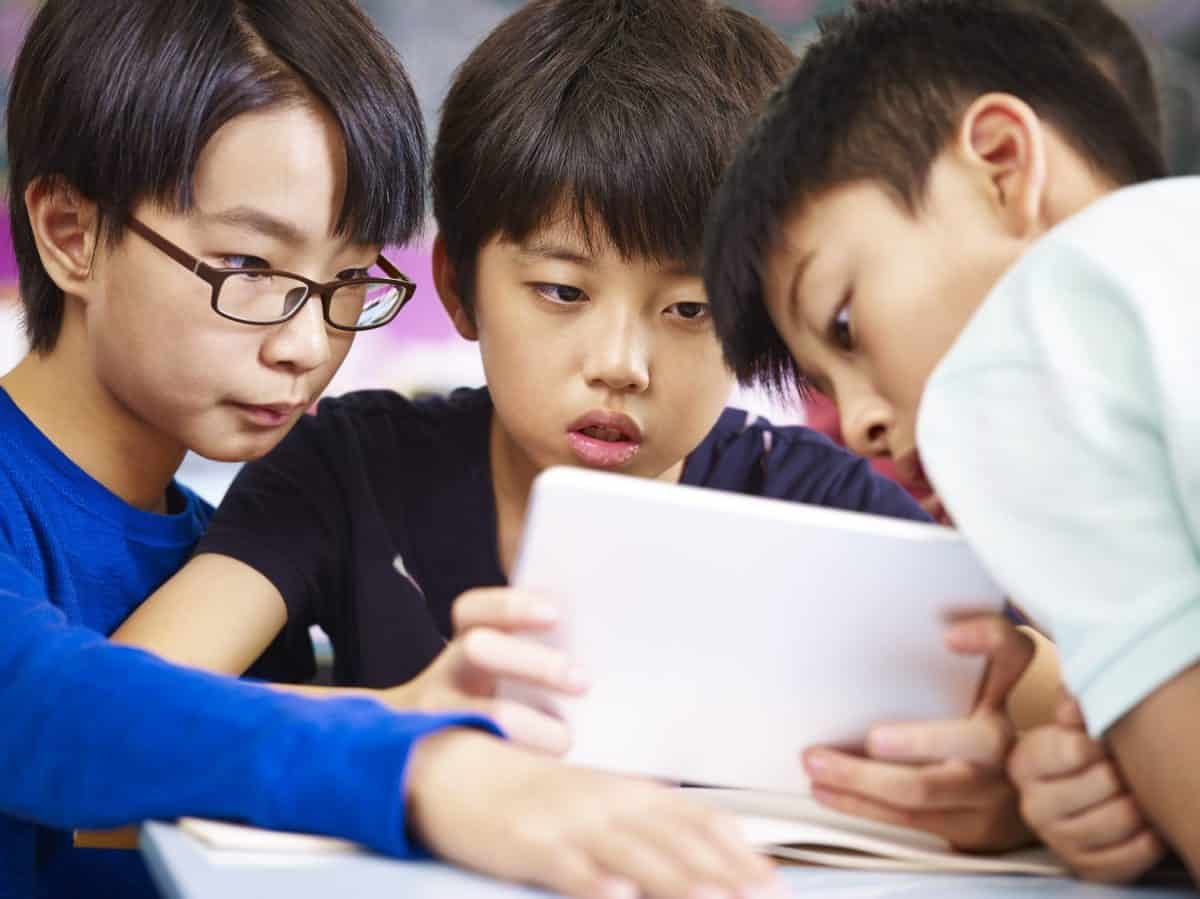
x=269 y=297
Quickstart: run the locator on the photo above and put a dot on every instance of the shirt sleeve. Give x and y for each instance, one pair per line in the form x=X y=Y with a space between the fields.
x=99 y=735
x=812 y=469
x=1053 y=438
x=285 y=516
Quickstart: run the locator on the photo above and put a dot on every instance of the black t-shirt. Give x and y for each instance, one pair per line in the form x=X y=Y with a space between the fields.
x=375 y=482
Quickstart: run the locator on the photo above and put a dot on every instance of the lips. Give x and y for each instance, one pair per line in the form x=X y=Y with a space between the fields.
x=604 y=439
x=269 y=415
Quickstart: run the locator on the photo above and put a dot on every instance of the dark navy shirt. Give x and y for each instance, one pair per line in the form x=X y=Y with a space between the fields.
x=374 y=478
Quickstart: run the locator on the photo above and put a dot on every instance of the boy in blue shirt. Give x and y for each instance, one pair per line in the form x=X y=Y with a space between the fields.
x=578 y=148
x=174 y=166
x=934 y=223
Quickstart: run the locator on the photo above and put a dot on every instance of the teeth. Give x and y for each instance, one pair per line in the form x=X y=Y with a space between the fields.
x=611 y=435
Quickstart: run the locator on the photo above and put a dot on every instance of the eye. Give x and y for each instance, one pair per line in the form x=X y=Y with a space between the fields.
x=560 y=294
x=690 y=312
x=247 y=263
x=840 y=333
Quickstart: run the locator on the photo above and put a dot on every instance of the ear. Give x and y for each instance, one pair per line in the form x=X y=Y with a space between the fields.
x=446 y=280
x=1003 y=140
x=66 y=229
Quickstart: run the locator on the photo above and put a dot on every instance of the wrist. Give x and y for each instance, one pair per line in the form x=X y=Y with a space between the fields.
x=440 y=766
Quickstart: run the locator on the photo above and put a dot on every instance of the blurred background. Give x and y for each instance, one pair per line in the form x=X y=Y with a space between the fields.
x=420 y=352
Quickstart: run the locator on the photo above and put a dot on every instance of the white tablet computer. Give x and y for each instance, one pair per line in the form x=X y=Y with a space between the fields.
x=723 y=634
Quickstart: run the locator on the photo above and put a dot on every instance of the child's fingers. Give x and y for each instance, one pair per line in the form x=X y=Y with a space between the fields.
x=1052 y=752
x=1123 y=863
x=503 y=655
x=1045 y=802
x=1068 y=713
x=933 y=787
x=983 y=739
x=679 y=836
x=1009 y=653
x=978 y=634
x=862 y=807
x=1113 y=822
x=632 y=857
x=571 y=872
x=726 y=836
x=993 y=825
x=503 y=608
x=748 y=869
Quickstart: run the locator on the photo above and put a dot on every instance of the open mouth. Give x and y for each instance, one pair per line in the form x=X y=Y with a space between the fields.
x=608 y=435
x=604 y=439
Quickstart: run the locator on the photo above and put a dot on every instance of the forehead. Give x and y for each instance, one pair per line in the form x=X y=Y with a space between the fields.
x=566 y=236
x=287 y=161
x=837 y=228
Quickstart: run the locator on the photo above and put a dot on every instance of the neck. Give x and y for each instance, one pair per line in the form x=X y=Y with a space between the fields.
x=58 y=391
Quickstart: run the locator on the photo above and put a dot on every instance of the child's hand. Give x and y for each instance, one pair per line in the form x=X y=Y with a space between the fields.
x=484 y=650
x=1073 y=797
x=947 y=777
x=491 y=807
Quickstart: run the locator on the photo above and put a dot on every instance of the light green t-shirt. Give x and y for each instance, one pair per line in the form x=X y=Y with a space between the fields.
x=1062 y=431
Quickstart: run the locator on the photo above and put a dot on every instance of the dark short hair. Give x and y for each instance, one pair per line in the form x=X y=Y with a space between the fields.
x=1113 y=45
x=623 y=113
x=877 y=98
x=118 y=100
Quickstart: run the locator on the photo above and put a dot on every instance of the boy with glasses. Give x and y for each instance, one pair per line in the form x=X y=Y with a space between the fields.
x=233 y=139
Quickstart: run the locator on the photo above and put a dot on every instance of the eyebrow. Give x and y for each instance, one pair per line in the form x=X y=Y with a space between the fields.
x=798 y=274
x=682 y=268
x=557 y=252
x=257 y=220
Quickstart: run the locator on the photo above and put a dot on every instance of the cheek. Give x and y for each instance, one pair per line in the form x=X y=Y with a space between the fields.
x=524 y=351
x=692 y=385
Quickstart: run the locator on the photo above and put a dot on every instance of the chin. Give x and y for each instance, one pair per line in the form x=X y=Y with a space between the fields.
x=242 y=448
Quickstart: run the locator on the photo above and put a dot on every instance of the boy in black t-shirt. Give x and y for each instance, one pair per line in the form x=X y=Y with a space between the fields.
x=576 y=156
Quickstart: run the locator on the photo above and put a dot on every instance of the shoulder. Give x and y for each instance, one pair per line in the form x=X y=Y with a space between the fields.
x=1133 y=248
x=749 y=454
x=370 y=412
x=1102 y=300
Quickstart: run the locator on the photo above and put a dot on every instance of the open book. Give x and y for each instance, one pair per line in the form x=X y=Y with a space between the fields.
x=792 y=828
x=797 y=828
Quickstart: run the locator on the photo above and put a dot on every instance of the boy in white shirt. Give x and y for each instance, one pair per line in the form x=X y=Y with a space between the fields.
x=929 y=226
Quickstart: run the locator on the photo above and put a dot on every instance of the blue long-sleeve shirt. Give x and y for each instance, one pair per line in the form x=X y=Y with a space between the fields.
x=97 y=735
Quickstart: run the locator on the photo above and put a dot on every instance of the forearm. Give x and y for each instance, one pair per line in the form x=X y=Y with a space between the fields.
x=98 y=736
x=1157 y=745
x=186 y=621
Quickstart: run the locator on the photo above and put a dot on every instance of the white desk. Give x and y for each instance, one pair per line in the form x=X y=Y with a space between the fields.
x=184 y=869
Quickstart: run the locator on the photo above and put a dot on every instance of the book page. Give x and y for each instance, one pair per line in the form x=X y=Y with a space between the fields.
x=801 y=829
x=225 y=836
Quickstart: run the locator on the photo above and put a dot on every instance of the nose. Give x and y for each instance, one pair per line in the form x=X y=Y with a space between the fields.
x=617 y=355
x=302 y=342
x=867 y=421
